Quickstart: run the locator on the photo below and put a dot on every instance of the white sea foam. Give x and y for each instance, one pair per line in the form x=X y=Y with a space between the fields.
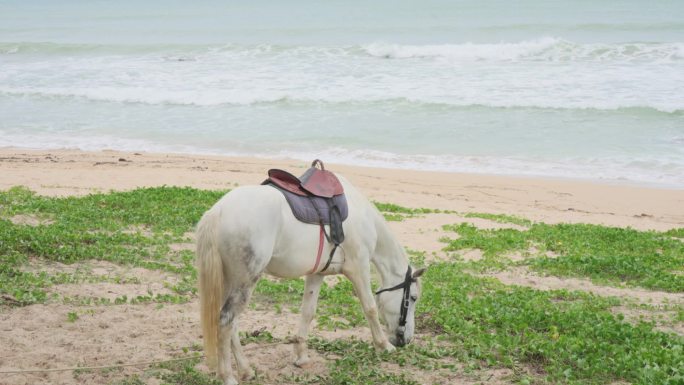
x=93 y=143
x=124 y=94
x=467 y=51
x=645 y=171
x=506 y=75
x=242 y=97
x=543 y=49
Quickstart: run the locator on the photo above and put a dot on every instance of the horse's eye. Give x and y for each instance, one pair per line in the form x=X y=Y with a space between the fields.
x=414 y=298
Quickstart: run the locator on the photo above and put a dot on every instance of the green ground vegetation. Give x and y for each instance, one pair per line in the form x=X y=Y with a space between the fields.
x=469 y=324
x=131 y=228
x=616 y=256
x=395 y=213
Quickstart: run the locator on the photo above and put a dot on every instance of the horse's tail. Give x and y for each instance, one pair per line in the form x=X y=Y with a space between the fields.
x=210 y=272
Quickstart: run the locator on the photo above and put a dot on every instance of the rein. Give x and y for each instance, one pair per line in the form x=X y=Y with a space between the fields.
x=403 y=311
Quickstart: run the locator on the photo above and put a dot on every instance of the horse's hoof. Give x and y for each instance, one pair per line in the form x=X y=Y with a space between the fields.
x=230 y=381
x=386 y=347
x=247 y=375
x=303 y=362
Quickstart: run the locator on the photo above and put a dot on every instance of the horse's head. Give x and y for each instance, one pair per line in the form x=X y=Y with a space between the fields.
x=397 y=306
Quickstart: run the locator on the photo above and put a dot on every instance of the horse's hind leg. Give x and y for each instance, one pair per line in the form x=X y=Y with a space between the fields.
x=311 y=289
x=228 y=336
x=245 y=371
x=225 y=370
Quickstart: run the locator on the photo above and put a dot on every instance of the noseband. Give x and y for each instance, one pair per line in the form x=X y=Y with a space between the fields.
x=406 y=285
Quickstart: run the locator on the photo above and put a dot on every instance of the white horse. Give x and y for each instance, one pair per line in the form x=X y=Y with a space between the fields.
x=252 y=230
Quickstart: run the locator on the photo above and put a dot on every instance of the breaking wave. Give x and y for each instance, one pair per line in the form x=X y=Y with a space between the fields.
x=551 y=49
x=209 y=98
x=544 y=49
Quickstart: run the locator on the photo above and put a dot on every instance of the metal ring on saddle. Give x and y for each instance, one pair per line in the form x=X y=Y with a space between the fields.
x=319 y=162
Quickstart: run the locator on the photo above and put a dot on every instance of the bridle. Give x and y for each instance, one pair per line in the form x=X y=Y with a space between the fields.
x=406 y=285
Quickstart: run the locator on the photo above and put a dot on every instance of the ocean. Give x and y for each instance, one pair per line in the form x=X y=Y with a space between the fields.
x=583 y=89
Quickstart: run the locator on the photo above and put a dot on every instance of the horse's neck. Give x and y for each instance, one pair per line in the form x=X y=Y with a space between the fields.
x=389 y=258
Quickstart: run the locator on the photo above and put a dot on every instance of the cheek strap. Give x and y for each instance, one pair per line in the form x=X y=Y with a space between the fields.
x=405 y=301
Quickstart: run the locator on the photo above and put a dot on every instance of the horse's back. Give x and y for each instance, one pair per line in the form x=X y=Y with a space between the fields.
x=245 y=224
x=249 y=206
x=255 y=225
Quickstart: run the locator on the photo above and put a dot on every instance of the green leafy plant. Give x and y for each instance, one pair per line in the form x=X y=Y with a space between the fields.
x=614 y=255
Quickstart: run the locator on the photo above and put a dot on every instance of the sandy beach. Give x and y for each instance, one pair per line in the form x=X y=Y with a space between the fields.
x=39 y=336
x=528 y=157
x=72 y=172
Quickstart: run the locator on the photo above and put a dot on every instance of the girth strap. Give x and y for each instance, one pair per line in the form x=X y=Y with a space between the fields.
x=320 y=250
x=336 y=236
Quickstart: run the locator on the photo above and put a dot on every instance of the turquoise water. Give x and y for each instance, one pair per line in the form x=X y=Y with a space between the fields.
x=576 y=89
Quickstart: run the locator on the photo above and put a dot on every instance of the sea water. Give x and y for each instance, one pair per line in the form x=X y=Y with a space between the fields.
x=581 y=89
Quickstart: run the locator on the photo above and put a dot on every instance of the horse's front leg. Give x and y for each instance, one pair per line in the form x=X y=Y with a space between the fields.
x=360 y=279
x=312 y=287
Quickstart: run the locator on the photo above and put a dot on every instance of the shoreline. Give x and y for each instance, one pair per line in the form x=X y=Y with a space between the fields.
x=369 y=163
x=550 y=200
x=620 y=182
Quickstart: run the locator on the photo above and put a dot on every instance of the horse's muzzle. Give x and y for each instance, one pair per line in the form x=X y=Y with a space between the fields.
x=401 y=339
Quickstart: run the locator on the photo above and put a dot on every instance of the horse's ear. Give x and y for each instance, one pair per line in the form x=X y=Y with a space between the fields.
x=418 y=272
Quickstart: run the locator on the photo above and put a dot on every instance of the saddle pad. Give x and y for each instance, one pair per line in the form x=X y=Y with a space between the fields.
x=304 y=210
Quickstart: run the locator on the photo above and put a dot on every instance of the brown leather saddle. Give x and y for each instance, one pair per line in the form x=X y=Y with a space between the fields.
x=314 y=182
x=317 y=197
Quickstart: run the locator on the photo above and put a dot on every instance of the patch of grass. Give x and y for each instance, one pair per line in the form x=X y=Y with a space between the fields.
x=338 y=307
x=280 y=292
x=420 y=356
x=133 y=228
x=677 y=233
x=417 y=258
x=172 y=373
x=501 y=218
x=392 y=208
x=659 y=315
x=679 y=317
x=182 y=372
x=161 y=209
x=491 y=242
x=606 y=254
x=356 y=362
x=72 y=316
x=572 y=337
x=390 y=217
x=185 y=373
x=396 y=213
x=257 y=336
x=132 y=380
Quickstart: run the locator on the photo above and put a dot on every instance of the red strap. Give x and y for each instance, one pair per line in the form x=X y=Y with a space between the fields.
x=320 y=251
